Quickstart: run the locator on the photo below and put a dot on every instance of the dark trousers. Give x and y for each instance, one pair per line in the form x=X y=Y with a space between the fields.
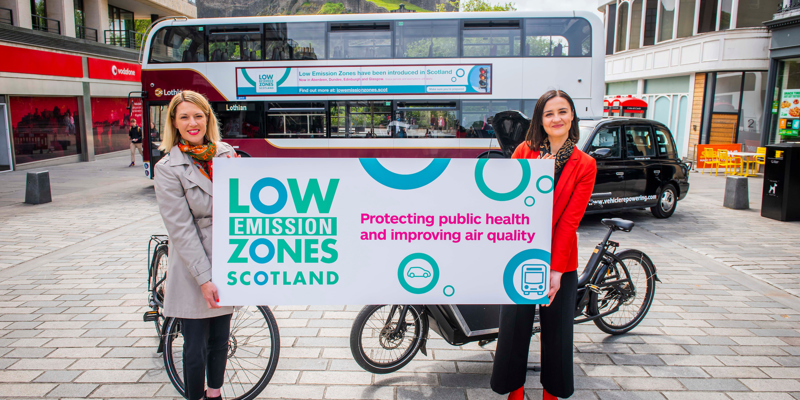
x=514 y=341
x=205 y=352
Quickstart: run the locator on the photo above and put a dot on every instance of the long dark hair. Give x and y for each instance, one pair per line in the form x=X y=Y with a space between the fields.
x=536 y=133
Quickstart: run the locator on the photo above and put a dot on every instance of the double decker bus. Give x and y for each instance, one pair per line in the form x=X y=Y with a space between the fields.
x=371 y=85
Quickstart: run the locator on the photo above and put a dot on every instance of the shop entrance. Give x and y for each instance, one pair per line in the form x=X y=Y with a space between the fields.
x=5 y=141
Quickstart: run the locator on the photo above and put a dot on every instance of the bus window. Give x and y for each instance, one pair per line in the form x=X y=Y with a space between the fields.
x=474 y=115
x=178 y=44
x=497 y=38
x=360 y=40
x=296 y=120
x=363 y=119
x=234 y=43
x=295 y=41
x=426 y=39
x=429 y=120
x=558 y=37
x=239 y=120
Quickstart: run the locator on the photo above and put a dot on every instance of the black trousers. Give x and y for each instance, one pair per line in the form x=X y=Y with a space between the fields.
x=205 y=352
x=514 y=341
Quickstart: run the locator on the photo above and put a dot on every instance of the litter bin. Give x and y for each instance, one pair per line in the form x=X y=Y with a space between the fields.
x=780 y=198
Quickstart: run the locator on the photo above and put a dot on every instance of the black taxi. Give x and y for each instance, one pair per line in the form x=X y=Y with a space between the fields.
x=637 y=161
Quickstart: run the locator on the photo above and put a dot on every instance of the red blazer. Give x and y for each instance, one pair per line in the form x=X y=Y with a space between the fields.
x=572 y=195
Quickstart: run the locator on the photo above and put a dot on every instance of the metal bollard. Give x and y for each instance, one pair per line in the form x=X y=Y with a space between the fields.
x=737 y=196
x=37 y=188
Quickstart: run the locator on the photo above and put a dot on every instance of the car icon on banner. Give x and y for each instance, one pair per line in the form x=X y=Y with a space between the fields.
x=418 y=272
x=533 y=279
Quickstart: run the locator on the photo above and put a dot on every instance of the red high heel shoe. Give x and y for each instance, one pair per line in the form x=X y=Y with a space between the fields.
x=548 y=396
x=518 y=394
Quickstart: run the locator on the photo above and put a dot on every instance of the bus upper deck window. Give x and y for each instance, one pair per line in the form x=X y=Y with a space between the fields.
x=558 y=37
x=496 y=38
x=295 y=41
x=426 y=39
x=178 y=44
x=234 y=43
x=360 y=40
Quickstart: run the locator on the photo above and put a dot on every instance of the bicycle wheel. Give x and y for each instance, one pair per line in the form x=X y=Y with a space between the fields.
x=629 y=285
x=159 y=278
x=253 y=350
x=376 y=346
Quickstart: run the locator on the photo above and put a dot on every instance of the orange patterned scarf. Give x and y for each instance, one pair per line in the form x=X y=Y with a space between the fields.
x=202 y=156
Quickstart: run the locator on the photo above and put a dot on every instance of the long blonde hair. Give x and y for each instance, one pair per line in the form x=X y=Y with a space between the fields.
x=171 y=134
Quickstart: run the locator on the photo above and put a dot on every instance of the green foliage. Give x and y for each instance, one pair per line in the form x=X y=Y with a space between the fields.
x=483 y=5
x=140 y=25
x=395 y=4
x=332 y=8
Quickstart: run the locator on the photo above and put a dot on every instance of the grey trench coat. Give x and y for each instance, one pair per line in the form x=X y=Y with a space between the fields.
x=184 y=197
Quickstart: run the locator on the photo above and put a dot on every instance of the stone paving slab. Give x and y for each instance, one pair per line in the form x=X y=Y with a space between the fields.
x=73 y=281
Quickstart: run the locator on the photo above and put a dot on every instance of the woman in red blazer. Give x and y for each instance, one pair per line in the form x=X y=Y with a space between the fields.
x=553 y=134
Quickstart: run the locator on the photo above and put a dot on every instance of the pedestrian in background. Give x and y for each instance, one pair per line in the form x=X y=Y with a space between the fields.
x=184 y=194
x=552 y=135
x=135 y=134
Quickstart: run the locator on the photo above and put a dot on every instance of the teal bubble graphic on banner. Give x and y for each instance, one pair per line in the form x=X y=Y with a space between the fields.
x=404 y=181
x=418 y=272
x=523 y=184
x=532 y=262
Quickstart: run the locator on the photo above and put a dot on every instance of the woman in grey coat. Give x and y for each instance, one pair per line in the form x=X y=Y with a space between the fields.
x=184 y=193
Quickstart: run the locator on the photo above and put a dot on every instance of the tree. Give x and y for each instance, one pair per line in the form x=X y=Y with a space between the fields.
x=332 y=8
x=477 y=5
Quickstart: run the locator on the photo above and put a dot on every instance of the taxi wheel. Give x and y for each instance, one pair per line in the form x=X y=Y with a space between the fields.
x=667 y=202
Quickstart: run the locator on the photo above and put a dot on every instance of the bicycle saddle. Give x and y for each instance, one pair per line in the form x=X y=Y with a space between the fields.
x=618 y=224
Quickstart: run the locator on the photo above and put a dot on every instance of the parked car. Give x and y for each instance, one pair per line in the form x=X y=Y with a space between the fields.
x=637 y=161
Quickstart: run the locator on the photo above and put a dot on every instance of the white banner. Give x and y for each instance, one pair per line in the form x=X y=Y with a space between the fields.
x=388 y=231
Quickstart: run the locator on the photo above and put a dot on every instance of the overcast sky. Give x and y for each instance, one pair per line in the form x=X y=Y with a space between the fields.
x=553 y=5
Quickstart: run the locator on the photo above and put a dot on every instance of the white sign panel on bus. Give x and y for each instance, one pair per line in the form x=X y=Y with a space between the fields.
x=396 y=79
x=382 y=231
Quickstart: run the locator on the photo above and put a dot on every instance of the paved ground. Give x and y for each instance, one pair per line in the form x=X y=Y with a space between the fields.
x=724 y=325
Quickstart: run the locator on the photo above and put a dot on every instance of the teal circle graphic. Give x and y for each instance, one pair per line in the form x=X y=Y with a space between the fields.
x=552 y=184
x=460 y=72
x=533 y=201
x=401 y=276
x=511 y=267
x=404 y=181
x=452 y=290
x=523 y=184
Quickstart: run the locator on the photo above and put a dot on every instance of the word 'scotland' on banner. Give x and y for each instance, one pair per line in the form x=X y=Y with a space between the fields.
x=382 y=231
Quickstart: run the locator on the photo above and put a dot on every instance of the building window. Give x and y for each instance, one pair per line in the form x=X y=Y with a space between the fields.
x=426 y=39
x=38 y=13
x=727 y=92
x=754 y=93
x=497 y=38
x=360 y=40
x=725 y=14
x=44 y=127
x=650 y=17
x=234 y=43
x=122 y=31
x=111 y=123
x=295 y=41
x=622 y=27
x=686 y=18
x=667 y=19
x=785 y=124
x=707 y=20
x=178 y=44
x=611 y=15
x=752 y=13
x=636 y=24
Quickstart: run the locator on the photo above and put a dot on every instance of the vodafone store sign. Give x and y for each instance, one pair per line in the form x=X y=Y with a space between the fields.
x=114 y=70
